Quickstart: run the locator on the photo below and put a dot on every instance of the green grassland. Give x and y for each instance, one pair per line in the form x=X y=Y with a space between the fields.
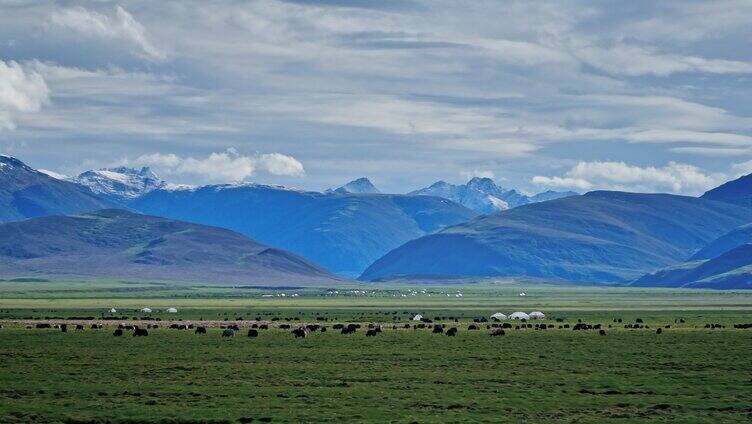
x=688 y=373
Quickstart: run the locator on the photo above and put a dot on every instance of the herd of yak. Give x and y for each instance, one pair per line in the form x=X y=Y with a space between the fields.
x=372 y=330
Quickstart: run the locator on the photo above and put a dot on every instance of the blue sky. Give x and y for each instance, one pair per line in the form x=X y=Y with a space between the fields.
x=639 y=95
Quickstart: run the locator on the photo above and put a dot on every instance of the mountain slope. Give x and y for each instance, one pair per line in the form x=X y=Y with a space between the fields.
x=114 y=243
x=120 y=184
x=484 y=196
x=734 y=238
x=27 y=193
x=730 y=270
x=342 y=232
x=597 y=237
x=738 y=192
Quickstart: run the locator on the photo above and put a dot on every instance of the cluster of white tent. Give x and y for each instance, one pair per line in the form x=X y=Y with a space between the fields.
x=519 y=316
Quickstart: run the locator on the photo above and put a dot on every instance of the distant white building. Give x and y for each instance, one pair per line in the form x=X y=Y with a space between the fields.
x=113 y=310
x=172 y=311
x=519 y=315
x=418 y=317
x=522 y=294
x=499 y=316
x=146 y=310
x=537 y=315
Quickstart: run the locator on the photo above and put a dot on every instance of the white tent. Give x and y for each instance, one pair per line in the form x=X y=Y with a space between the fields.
x=146 y=310
x=537 y=315
x=522 y=294
x=418 y=317
x=499 y=316
x=172 y=311
x=113 y=310
x=519 y=315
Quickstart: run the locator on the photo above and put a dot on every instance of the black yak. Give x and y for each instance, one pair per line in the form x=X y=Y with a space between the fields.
x=118 y=332
x=200 y=330
x=252 y=333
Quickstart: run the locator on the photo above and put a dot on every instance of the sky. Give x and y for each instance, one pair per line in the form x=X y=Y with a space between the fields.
x=639 y=96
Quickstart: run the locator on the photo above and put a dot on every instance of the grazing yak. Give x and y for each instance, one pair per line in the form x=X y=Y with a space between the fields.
x=602 y=332
x=371 y=333
x=200 y=330
x=118 y=332
x=140 y=332
x=252 y=333
x=228 y=332
x=299 y=332
x=438 y=328
x=452 y=332
x=349 y=328
x=497 y=332
x=472 y=327
x=659 y=331
x=79 y=327
x=64 y=328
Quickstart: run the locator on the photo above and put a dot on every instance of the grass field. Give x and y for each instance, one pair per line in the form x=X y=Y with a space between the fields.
x=686 y=374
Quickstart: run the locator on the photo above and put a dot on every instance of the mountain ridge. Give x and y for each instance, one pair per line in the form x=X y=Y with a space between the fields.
x=597 y=237
x=114 y=243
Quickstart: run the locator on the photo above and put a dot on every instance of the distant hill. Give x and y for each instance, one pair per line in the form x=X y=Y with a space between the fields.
x=342 y=232
x=484 y=196
x=361 y=185
x=731 y=240
x=120 y=184
x=28 y=193
x=730 y=270
x=738 y=192
x=597 y=237
x=119 y=244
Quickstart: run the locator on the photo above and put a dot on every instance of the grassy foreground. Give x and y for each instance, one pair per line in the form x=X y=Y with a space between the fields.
x=686 y=374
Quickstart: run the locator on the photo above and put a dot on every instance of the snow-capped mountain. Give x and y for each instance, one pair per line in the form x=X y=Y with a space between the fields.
x=361 y=185
x=484 y=196
x=120 y=183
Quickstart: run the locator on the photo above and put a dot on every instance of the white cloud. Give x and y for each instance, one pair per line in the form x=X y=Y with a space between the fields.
x=227 y=166
x=477 y=173
x=741 y=168
x=673 y=178
x=122 y=26
x=632 y=60
x=21 y=91
x=279 y=164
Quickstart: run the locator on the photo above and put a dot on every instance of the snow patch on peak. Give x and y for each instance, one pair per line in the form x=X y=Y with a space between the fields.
x=361 y=185
x=52 y=174
x=122 y=183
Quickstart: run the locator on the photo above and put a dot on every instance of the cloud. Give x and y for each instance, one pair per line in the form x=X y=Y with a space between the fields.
x=477 y=173
x=673 y=178
x=122 y=26
x=227 y=166
x=739 y=169
x=632 y=60
x=21 y=91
